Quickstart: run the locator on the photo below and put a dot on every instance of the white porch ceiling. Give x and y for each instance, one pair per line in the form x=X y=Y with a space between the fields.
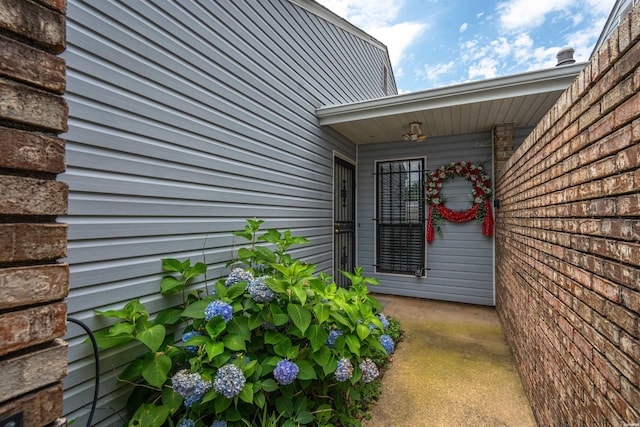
x=477 y=106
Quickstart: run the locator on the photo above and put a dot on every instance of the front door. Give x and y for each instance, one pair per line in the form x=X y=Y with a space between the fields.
x=344 y=218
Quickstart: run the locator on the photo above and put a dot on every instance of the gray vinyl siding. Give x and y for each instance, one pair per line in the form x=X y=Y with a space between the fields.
x=460 y=262
x=186 y=117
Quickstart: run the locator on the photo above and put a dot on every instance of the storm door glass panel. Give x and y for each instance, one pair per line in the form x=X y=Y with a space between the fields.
x=400 y=217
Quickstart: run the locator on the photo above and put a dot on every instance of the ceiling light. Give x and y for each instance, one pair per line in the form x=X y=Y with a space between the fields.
x=415 y=133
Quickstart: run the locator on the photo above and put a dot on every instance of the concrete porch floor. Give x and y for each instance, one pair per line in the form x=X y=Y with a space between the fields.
x=453 y=368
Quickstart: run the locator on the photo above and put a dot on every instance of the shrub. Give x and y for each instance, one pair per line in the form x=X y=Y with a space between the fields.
x=273 y=344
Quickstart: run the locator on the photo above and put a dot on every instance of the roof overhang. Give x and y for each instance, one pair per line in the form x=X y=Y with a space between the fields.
x=521 y=99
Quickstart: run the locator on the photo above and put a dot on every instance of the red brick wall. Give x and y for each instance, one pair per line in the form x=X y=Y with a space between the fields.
x=568 y=245
x=33 y=284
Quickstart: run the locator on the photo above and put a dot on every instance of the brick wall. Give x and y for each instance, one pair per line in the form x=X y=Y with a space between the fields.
x=33 y=284
x=568 y=245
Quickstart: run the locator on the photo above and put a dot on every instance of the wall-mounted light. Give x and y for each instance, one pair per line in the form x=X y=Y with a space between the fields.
x=415 y=133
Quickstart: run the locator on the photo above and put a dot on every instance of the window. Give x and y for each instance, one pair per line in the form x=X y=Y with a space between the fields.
x=400 y=217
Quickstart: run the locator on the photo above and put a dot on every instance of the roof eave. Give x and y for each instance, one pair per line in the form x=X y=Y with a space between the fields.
x=532 y=82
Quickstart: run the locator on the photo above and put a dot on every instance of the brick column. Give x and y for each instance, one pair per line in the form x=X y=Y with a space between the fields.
x=33 y=284
x=502 y=146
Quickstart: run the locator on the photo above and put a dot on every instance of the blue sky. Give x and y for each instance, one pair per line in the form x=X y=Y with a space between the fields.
x=434 y=43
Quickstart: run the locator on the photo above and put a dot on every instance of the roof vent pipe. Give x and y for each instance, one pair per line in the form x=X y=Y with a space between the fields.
x=565 y=56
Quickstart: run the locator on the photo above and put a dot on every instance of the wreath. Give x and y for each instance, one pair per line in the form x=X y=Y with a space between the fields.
x=481 y=208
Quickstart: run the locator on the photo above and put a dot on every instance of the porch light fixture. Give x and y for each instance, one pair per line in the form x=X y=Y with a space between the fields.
x=415 y=133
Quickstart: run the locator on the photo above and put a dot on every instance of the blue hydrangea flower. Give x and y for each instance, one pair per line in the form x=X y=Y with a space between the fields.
x=333 y=336
x=383 y=320
x=238 y=275
x=218 y=308
x=219 y=424
x=260 y=291
x=260 y=268
x=229 y=381
x=193 y=349
x=190 y=386
x=285 y=372
x=369 y=370
x=186 y=422
x=387 y=343
x=344 y=370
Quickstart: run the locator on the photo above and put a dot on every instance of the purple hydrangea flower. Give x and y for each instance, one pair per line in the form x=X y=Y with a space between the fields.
x=333 y=336
x=344 y=370
x=190 y=386
x=260 y=291
x=285 y=372
x=369 y=370
x=219 y=424
x=383 y=320
x=387 y=343
x=229 y=381
x=218 y=308
x=238 y=275
x=193 y=349
x=186 y=422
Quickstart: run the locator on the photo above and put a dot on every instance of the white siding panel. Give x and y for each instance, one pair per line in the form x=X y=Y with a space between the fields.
x=186 y=117
x=460 y=262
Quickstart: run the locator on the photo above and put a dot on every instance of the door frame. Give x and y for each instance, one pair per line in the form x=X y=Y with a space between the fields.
x=337 y=156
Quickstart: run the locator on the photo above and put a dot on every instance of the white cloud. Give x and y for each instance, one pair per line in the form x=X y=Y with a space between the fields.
x=398 y=38
x=464 y=27
x=487 y=68
x=433 y=72
x=519 y=15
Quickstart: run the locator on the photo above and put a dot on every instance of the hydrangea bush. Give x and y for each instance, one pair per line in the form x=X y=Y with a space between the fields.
x=273 y=343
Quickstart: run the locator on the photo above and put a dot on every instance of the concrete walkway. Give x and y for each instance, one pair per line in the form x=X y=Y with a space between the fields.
x=453 y=368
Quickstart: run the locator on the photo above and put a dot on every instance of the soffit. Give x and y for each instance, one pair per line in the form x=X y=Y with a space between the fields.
x=522 y=99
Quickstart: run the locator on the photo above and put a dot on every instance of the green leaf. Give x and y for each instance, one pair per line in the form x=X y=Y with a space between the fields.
x=105 y=340
x=278 y=317
x=284 y=405
x=353 y=343
x=122 y=328
x=152 y=337
x=305 y=417
x=317 y=337
x=149 y=415
x=234 y=343
x=236 y=289
x=283 y=347
x=198 y=269
x=171 y=264
x=170 y=285
x=171 y=399
x=246 y=394
x=300 y=316
x=362 y=331
x=301 y=293
x=269 y=385
x=259 y=399
x=274 y=337
x=215 y=326
x=275 y=285
x=214 y=349
x=322 y=356
x=133 y=370
x=170 y=316
x=322 y=312
x=339 y=318
x=266 y=254
x=306 y=371
x=195 y=310
x=239 y=325
x=243 y=234
x=156 y=369
x=221 y=404
x=257 y=319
